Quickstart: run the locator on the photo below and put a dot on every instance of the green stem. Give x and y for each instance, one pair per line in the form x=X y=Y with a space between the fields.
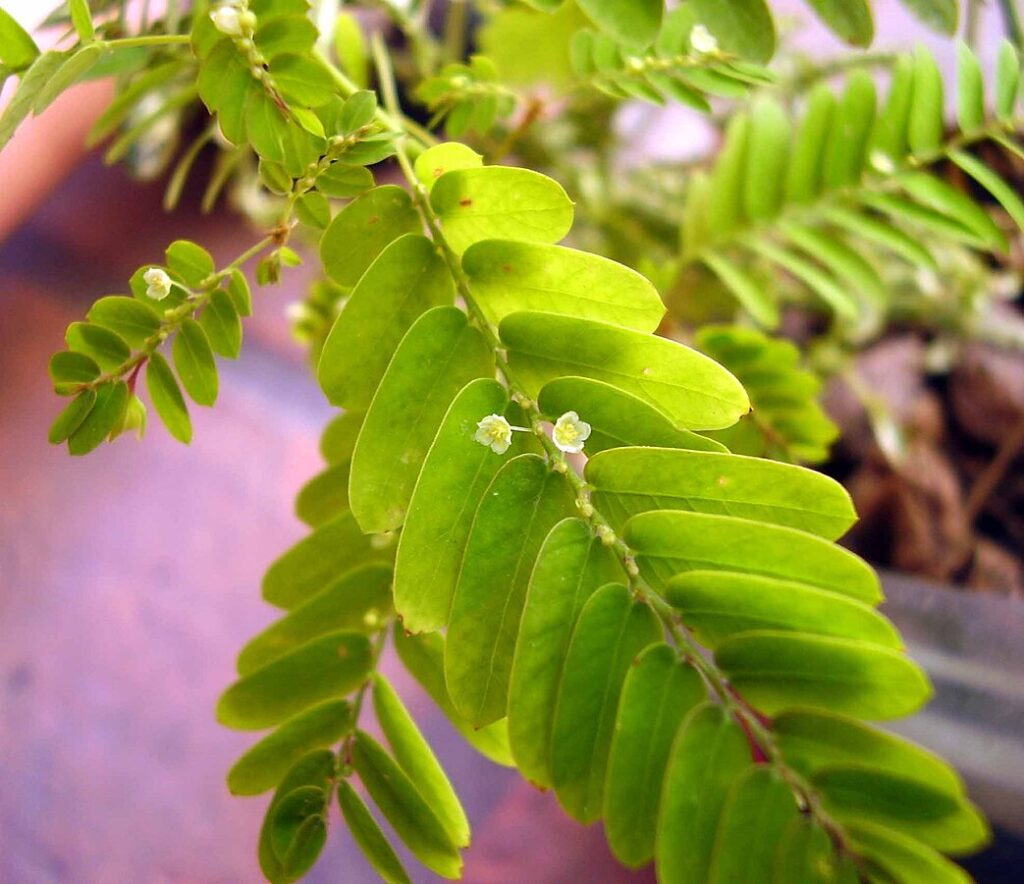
x=148 y=40
x=1012 y=22
x=455 y=30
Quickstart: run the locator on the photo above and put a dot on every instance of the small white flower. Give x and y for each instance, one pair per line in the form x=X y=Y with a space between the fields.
x=158 y=282
x=703 y=41
x=881 y=162
x=570 y=433
x=495 y=432
x=228 y=20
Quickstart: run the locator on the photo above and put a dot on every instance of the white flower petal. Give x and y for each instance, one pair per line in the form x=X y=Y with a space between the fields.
x=494 y=432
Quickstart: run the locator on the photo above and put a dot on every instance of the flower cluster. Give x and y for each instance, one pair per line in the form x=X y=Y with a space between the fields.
x=569 y=433
x=234 y=19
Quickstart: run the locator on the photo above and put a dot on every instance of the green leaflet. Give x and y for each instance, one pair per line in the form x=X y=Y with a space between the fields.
x=804 y=179
x=946 y=822
x=500 y=202
x=240 y=293
x=725 y=200
x=102 y=419
x=438 y=356
x=108 y=349
x=81 y=18
x=844 y=262
x=417 y=759
x=903 y=858
x=403 y=806
x=313 y=769
x=324 y=496
x=617 y=419
x=74 y=67
x=805 y=855
x=846 y=144
x=758 y=810
x=936 y=194
x=298 y=829
x=317 y=560
x=811 y=275
x=68 y=369
x=189 y=261
x=344 y=182
x=691 y=390
x=359 y=600
x=17 y=48
x=326 y=667
x=718 y=604
x=706 y=758
x=423 y=656
x=670 y=541
x=786 y=422
x=629 y=481
x=262 y=766
x=368 y=835
x=222 y=324
x=29 y=87
x=882 y=233
x=745 y=288
x=993 y=183
x=942 y=15
x=925 y=125
x=778 y=670
x=455 y=474
x=970 y=89
x=127 y=317
x=338 y=440
x=632 y=21
x=446 y=157
x=1007 y=81
x=765 y=173
x=193 y=359
x=659 y=691
x=302 y=79
x=744 y=27
x=571 y=566
x=70 y=419
x=507 y=277
x=360 y=231
x=167 y=399
x=522 y=503
x=611 y=631
x=407 y=278
x=849 y=19
x=890 y=134
x=812 y=740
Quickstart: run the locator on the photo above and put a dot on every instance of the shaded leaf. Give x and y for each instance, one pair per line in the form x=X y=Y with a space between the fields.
x=329 y=666
x=523 y=502
x=659 y=691
x=264 y=765
x=438 y=356
x=571 y=566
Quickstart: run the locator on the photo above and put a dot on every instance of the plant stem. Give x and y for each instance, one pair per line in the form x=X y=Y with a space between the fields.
x=1012 y=22
x=148 y=40
x=455 y=30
